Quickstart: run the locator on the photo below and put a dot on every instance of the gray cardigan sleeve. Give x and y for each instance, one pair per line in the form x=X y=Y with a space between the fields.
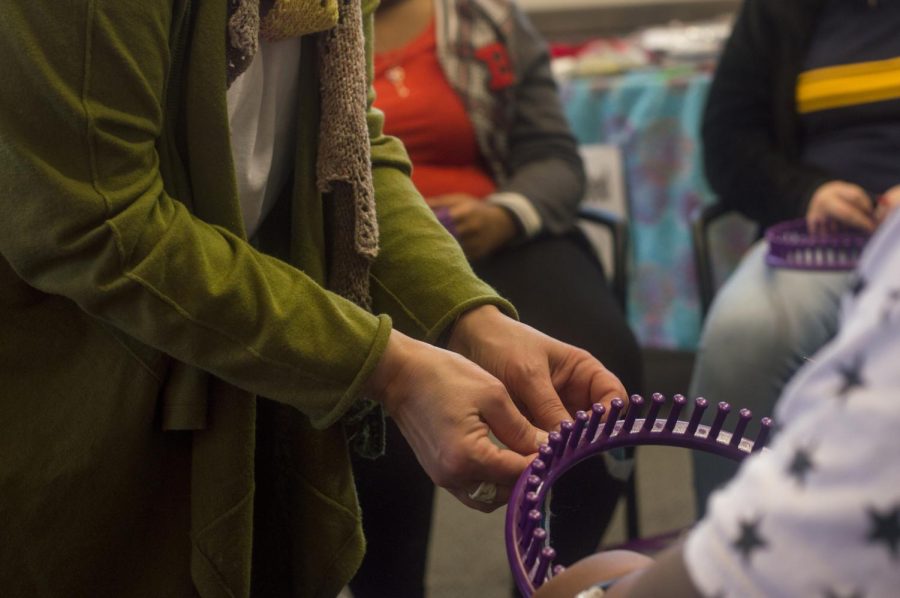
x=544 y=165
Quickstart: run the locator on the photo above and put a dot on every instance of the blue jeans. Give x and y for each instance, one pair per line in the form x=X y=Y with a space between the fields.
x=763 y=325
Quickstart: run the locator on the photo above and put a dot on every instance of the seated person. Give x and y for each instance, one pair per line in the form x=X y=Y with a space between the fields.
x=803 y=119
x=467 y=87
x=818 y=513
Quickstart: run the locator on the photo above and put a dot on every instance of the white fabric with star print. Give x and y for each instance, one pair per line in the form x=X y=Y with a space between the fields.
x=819 y=513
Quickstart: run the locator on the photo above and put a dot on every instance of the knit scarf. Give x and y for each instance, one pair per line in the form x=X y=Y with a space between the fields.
x=343 y=162
x=343 y=167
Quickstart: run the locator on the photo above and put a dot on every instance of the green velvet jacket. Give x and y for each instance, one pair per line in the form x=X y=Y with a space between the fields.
x=138 y=325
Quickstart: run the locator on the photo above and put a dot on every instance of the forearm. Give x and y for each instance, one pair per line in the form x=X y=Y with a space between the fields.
x=624 y=574
x=668 y=576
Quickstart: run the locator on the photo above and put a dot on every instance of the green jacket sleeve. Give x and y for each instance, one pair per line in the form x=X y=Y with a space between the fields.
x=83 y=214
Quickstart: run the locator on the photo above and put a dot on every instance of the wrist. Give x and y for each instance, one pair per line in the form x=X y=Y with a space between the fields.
x=382 y=385
x=469 y=326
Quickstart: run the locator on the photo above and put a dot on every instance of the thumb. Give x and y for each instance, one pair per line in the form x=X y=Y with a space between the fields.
x=512 y=428
x=501 y=466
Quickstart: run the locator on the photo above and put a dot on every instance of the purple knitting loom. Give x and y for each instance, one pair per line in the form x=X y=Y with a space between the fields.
x=528 y=543
x=792 y=246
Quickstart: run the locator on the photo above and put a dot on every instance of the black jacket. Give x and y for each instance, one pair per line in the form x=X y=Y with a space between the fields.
x=751 y=131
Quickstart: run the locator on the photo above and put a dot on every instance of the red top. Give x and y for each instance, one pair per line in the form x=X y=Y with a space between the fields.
x=429 y=117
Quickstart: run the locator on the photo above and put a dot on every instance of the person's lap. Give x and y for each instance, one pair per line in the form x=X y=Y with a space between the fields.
x=763 y=324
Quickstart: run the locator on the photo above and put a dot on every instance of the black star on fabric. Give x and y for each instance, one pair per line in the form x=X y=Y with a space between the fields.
x=885 y=527
x=832 y=593
x=801 y=465
x=749 y=541
x=858 y=285
x=851 y=377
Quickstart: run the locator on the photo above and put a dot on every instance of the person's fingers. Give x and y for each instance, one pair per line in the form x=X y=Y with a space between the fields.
x=856 y=196
x=500 y=465
x=582 y=381
x=816 y=223
x=851 y=214
x=604 y=392
x=840 y=202
x=498 y=468
x=537 y=393
x=465 y=226
x=460 y=456
x=460 y=211
x=466 y=209
x=605 y=386
x=467 y=221
x=473 y=230
x=511 y=427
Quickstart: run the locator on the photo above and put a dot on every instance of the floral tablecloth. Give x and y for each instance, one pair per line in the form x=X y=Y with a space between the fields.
x=654 y=117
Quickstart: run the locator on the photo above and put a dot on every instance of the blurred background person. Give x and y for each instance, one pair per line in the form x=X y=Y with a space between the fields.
x=802 y=121
x=467 y=87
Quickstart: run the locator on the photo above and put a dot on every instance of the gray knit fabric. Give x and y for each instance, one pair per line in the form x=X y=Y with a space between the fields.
x=344 y=172
x=344 y=168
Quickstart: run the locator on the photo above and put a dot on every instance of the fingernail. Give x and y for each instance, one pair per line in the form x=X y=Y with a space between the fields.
x=540 y=438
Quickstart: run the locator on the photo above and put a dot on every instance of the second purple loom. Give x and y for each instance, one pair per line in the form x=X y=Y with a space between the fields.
x=792 y=245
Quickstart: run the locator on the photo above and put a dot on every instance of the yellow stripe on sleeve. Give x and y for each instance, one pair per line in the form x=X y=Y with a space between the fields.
x=848 y=85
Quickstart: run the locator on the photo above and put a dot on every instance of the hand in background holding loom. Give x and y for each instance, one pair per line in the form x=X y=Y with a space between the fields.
x=480 y=227
x=840 y=202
